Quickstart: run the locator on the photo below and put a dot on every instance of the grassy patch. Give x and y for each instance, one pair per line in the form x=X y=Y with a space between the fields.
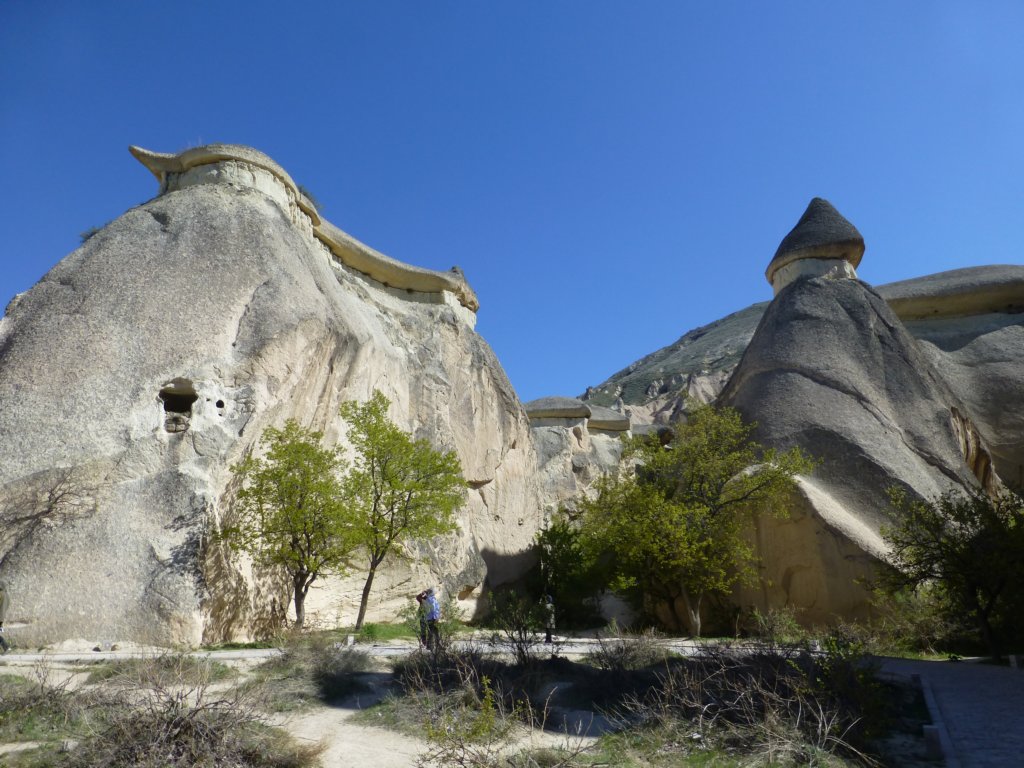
x=239 y=646
x=657 y=748
x=404 y=714
x=382 y=632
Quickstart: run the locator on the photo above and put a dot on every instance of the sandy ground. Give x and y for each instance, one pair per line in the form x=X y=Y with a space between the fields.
x=350 y=745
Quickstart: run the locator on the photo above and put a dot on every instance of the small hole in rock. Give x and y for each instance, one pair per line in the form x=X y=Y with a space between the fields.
x=220 y=403
x=178 y=396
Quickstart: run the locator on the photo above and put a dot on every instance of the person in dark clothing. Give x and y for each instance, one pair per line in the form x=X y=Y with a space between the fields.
x=549 y=617
x=4 y=600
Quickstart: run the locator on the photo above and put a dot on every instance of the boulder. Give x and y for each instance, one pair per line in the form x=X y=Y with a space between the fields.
x=148 y=361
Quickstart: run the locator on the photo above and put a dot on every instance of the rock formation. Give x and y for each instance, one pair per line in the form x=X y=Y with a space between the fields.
x=576 y=444
x=969 y=322
x=150 y=359
x=823 y=243
x=832 y=369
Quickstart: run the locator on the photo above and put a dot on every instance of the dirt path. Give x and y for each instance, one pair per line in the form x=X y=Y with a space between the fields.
x=349 y=745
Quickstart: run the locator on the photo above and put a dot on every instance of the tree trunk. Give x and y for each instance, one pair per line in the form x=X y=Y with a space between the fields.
x=301 y=582
x=693 y=612
x=987 y=634
x=365 y=598
x=984 y=627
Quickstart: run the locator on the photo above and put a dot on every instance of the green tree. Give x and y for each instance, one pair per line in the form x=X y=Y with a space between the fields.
x=969 y=547
x=400 y=489
x=291 y=511
x=566 y=570
x=671 y=526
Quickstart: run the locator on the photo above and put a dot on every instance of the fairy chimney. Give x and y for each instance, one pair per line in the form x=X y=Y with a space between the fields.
x=823 y=243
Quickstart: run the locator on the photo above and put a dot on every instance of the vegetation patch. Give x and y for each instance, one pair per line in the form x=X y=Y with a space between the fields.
x=153 y=713
x=164 y=669
x=31 y=710
x=309 y=670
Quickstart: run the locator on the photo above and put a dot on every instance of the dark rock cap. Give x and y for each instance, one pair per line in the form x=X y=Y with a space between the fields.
x=557 y=408
x=821 y=233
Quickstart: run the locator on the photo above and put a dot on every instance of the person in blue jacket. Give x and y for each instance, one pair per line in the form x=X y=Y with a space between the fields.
x=430 y=615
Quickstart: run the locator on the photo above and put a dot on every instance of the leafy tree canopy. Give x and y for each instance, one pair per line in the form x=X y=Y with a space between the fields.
x=671 y=526
x=969 y=548
x=291 y=510
x=400 y=488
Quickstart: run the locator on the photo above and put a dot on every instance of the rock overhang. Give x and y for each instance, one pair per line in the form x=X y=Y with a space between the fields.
x=390 y=272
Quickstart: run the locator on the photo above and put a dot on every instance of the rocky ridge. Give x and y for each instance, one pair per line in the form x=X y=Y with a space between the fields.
x=967 y=321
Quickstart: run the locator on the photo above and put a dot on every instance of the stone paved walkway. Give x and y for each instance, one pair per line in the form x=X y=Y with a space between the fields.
x=982 y=708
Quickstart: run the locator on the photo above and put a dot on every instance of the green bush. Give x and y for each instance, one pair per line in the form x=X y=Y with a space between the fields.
x=566 y=571
x=778 y=625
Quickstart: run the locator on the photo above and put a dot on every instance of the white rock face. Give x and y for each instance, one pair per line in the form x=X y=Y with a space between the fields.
x=576 y=445
x=219 y=290
x=835 y=269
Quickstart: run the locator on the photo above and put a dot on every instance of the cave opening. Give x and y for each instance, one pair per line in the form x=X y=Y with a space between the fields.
x=177 y=397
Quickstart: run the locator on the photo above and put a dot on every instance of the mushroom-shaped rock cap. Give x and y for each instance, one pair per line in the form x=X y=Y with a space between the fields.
x=606 y=418
x=557 y=408
x=821 y=233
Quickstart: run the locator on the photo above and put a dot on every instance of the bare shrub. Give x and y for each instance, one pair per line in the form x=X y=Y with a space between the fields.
x=775 y=704
x=443 y=670
x=470 y=721
x=42 y=709
x=518 y=622
x=170 y=668
x=166 y=720
x=619 y=651
x=309 y=669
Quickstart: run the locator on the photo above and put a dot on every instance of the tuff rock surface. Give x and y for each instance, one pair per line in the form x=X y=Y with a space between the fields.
x=831 y=369
x=150 y=359
x=576 y=444
x=968 y=322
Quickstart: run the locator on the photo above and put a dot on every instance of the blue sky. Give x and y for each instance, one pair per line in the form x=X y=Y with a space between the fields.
x=608 y=175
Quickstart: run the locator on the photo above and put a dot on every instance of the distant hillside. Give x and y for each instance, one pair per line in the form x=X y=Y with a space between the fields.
x=700 y=362
x=712 y=349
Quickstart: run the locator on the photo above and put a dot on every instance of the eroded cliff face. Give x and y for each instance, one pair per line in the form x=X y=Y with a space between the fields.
x=154 y=356
x=831 y=369
x=968 y=322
